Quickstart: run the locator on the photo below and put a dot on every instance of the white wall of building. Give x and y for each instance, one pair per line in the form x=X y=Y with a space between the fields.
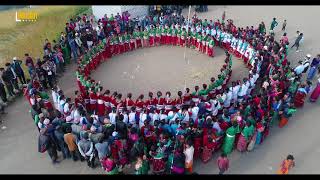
x=100 y=11
x=136 y=10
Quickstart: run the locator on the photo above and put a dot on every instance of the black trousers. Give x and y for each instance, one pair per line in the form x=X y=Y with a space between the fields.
x=295 y=44
x=10 y=89
x=22 y=78
x=75 y=155
x=90 y=163
x=51 y=81
x=3 y=93
x=52 y=151
x=15 y=84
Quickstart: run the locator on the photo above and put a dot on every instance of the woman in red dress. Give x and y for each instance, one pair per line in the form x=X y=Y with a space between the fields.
x=107 y=50
x=106 y=99
x=187 y=97
x=315 y=93
x=119 y=103
x=160 y=101
x=140 y=103
x=169 y=103
x=129 y=103
x=132 y=43
x=150 y=102
x=209 y=144
x=300 y=96
x=100 y=104
x=179 y=101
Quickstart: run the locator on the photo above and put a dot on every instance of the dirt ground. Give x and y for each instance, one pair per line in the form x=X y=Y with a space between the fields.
x=160 y=68
x=300 y=137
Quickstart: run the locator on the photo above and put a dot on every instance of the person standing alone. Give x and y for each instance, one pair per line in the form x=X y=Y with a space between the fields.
x=16 y=65
x=223 y=163
x=298 y=41
x=284 y=24
x=274 y=23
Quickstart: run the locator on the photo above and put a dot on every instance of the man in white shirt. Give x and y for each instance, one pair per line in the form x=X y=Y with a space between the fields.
x=154 y=116
x=143 y=117
x=243 y=90
x=112 y=116
x=66 y=107
x=194 y=110
x=235 y=91
x=172 y=116
x=162 y=115
x=125 y=117
x=302 y=68
x=62 y=101
x=215 y=105
x=132 y=116
x=227 y=102
x=188 y=152
x=185 y=114
x=255 y=76
x=54 y=93
x=216 y=126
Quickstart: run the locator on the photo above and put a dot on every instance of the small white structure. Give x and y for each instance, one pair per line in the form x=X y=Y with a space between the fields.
x=100 y=11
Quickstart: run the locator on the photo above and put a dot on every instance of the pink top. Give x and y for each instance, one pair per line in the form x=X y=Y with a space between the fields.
x=223 y=163
x=284 y=39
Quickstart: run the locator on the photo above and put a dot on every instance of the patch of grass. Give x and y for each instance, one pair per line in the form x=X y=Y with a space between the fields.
x=18 y=38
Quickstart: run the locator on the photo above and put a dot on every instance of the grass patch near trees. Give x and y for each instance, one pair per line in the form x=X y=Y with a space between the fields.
x=18 y=38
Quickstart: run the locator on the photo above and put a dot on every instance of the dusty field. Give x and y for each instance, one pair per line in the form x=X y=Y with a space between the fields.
x=160 y=68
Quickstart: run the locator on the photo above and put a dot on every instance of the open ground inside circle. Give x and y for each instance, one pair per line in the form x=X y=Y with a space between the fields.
x=161 y=68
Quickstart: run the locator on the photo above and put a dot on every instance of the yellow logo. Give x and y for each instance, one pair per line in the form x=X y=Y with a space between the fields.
x=26 y=16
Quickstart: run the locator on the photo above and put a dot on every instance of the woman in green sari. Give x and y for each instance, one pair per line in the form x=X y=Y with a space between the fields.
x=142 y=165
x=230 y=138
x=245 y=136
x=66 y=53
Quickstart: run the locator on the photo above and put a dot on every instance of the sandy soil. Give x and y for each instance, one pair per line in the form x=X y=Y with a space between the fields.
x=300 y=137
x=160 y=68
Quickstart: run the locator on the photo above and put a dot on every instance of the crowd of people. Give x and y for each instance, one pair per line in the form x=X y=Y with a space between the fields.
x=12 y=79
x=165 y=134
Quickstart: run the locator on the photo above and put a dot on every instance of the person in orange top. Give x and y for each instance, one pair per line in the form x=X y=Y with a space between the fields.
x=70 y=140
x=286 y=165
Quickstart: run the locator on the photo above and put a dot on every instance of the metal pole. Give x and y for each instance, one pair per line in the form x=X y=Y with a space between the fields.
x=185 y=48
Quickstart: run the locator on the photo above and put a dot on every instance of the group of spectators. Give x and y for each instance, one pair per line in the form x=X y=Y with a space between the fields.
x=11 y=81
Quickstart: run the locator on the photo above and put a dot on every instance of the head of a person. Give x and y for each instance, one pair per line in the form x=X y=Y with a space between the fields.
x=168 y=94
x=68 y=129
x=68 y=100
x=26 y=55
x=85 y=136
x=8 y=65
x=196 y=88
x=141 y=96
x=290 y=157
